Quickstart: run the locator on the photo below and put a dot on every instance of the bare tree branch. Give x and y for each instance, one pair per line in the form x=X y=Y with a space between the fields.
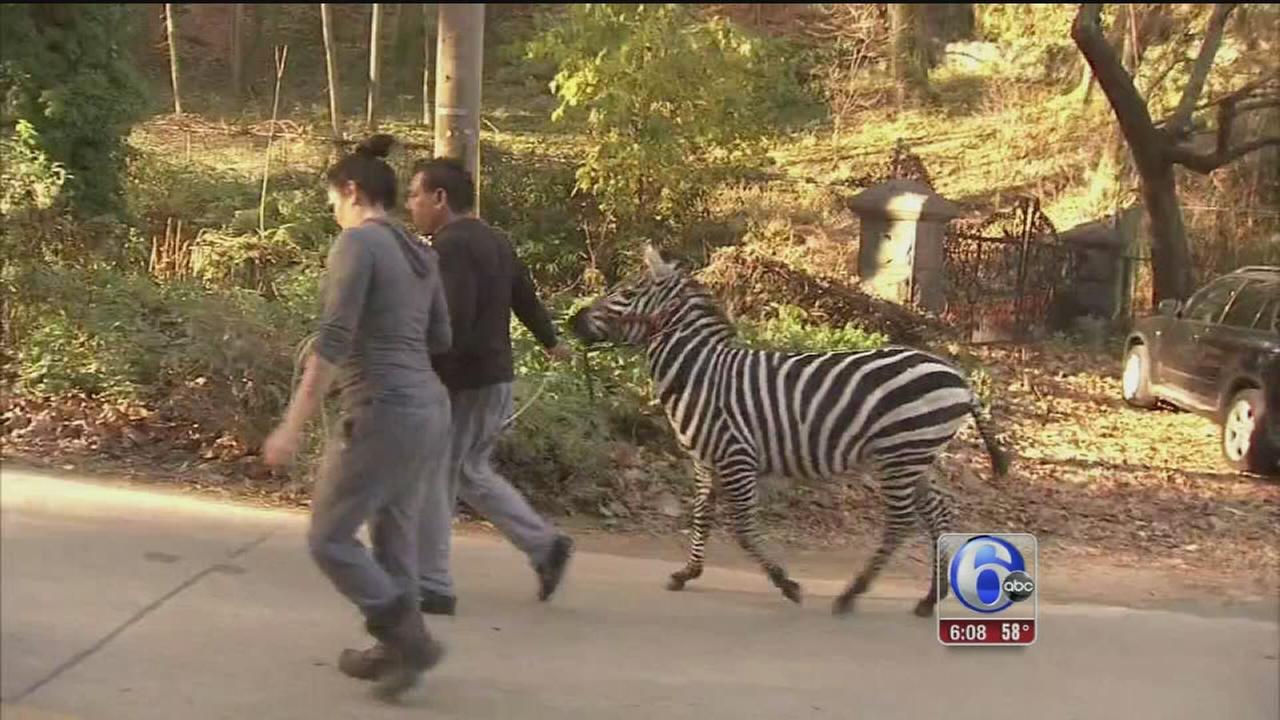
x=1181 y=122
x=1206 y=163
x=1245 y=93
x=1258 y=104
x=1223 y=154
x=1129 y=107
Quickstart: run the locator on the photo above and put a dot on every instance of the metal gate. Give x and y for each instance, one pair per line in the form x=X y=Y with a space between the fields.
x=1004 y=271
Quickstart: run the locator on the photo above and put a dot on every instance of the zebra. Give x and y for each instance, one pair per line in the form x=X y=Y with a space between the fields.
x=741 y=413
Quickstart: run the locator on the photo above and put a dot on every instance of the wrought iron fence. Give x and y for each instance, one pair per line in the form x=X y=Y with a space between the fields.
x=1005 y=271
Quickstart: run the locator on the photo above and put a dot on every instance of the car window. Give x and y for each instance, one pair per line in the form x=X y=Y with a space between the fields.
x=1249 y=302
x=1207 y=305
x=1269 y=318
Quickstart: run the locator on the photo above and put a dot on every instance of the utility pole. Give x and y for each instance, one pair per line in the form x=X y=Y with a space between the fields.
x=459 y=57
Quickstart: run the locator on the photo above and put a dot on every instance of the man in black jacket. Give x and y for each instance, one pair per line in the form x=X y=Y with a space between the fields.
x=484 y=282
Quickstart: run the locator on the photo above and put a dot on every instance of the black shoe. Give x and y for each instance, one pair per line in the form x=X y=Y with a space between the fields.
x=434 y=603
x=551 y=570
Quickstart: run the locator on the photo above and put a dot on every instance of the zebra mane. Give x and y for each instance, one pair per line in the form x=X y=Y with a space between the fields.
x=704 y=304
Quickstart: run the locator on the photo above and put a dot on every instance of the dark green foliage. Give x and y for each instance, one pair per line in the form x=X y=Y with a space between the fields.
x=66 y=74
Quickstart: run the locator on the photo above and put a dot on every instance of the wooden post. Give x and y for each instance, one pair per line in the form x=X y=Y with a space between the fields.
x=282 y=56
x=171 y=30
x=375 y=68
x=459 y=60
x=331 y=67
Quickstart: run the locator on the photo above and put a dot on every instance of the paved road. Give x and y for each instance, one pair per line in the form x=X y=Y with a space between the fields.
x=126 y=604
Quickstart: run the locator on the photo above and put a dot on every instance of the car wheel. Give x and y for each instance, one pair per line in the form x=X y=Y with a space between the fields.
x=1135 y=381
x=1245 y=445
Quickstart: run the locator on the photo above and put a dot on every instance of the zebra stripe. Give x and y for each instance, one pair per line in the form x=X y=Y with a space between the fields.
x=741 y=413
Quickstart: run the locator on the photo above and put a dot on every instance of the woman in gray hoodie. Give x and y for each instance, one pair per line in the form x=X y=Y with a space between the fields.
x=384 y=314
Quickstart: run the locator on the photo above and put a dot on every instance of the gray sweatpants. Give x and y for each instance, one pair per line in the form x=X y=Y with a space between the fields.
x=377 y=465
x=477 y=421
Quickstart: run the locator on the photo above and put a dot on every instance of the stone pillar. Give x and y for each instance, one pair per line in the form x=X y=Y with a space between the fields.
x=901 y=255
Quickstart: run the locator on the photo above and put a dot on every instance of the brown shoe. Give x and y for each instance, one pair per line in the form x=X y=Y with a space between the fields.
x=366 y=664
x=414 y=651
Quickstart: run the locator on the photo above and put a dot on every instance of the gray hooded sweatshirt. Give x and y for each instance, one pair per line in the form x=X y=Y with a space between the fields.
x=384 y=314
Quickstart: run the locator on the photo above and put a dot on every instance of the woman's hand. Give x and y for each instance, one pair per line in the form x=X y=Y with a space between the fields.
x=281 y=445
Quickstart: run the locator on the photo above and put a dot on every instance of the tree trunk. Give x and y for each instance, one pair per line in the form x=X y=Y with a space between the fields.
x=375 y=68
x=331 y=67
x=1170 y=254
x=1118 y=38
x=910 y=68
x=426 y=64
x=237 y=50
x=459 y=60
x=171 y=31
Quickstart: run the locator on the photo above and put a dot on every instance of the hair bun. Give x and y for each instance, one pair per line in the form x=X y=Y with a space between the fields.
x=376 y=145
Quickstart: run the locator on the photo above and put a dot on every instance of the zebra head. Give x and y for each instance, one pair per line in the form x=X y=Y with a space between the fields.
x=633 y=310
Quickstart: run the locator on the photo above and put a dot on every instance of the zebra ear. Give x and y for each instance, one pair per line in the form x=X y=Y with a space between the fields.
x=658 y=267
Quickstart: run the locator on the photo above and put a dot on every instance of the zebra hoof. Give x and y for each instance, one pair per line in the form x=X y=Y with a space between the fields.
x=675 y=584
x=924 y=608
x=843 y=604
x=790 y=590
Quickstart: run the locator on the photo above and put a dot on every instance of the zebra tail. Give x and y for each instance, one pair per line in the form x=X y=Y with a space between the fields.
x=999 y=458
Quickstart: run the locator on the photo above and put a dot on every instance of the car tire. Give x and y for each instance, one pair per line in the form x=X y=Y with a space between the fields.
x=1135 y=378
x=1244 y=441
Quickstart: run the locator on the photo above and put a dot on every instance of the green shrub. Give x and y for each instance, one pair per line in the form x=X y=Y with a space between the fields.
x=66 y=73
x=227 y=357
x=29 y=180
x=531 y=200
x=161 y=186
x=670 y=103
x=791 y=328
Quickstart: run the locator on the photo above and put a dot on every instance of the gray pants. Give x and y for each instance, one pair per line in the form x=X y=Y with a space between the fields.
x=477 y=421
x=377 y=465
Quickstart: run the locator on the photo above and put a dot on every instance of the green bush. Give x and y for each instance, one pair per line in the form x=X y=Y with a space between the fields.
x=531 y=200
x=226 y=356
x=571 y=416
x=670 y=103
x=29 y=180
x=66 y=73
x=791 y=328
x=161 y=186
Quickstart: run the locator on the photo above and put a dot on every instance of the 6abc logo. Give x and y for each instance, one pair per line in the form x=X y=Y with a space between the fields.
x=988 y=574
x=993 y=596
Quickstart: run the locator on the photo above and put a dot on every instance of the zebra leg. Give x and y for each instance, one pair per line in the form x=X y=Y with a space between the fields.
x=899 y=518
x=701 y=528
x=740 y=486
x=933 y=507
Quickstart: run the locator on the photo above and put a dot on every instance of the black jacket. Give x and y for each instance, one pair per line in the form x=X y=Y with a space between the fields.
x=484 y=282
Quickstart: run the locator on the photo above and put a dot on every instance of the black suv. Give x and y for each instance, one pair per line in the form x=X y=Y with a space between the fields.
x=1219 y=355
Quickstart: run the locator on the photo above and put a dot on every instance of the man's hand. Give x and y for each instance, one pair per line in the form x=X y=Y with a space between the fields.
x=560 y=353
